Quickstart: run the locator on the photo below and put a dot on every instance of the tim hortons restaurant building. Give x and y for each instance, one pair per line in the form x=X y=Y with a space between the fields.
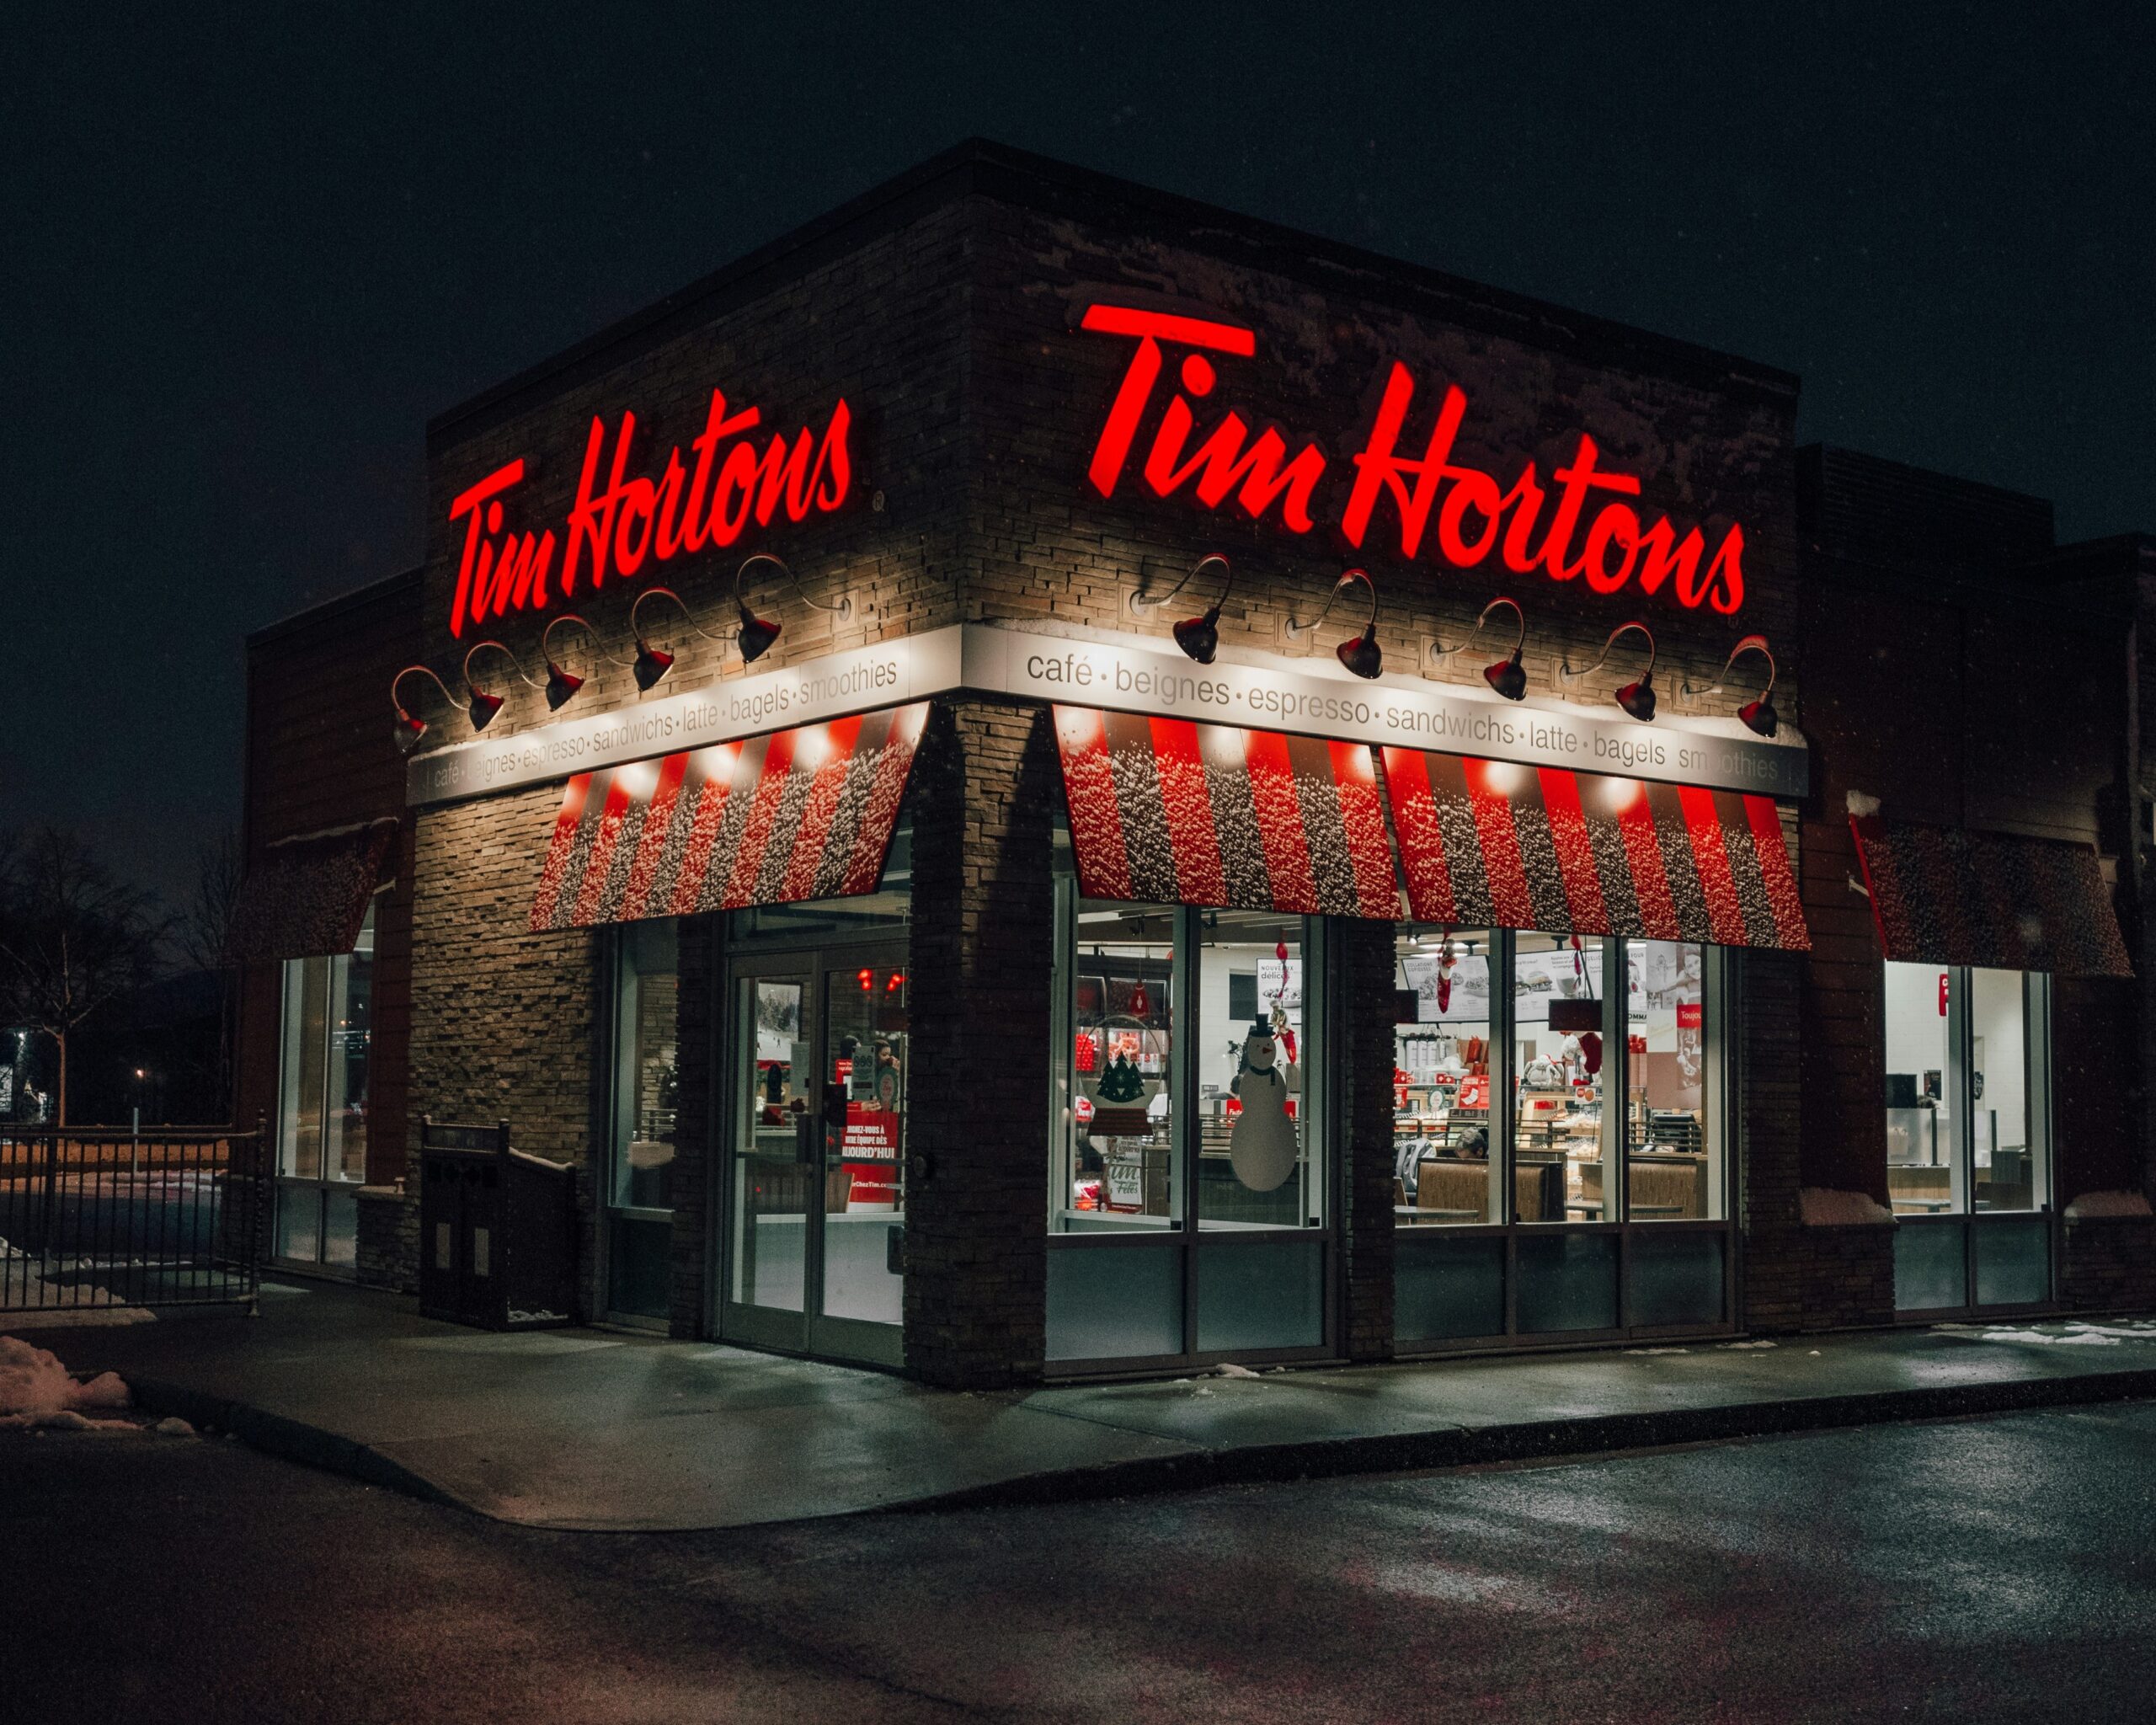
x=1039 y=780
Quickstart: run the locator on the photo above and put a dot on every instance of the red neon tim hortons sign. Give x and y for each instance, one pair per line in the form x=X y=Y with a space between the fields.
x=1574 y=528
x=706 y=499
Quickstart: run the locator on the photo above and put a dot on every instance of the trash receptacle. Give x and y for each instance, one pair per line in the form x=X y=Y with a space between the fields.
x=497 y=1231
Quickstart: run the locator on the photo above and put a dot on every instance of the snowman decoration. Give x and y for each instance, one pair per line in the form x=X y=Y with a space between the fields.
x=1262 y=1146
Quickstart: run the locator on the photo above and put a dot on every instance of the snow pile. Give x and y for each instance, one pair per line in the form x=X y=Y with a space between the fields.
x=36 y=1390
x=1862 y=806
x=1822 y=1207
x=2092 y=1204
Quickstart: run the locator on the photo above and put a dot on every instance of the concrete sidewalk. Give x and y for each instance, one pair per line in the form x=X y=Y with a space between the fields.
x=599 y=1429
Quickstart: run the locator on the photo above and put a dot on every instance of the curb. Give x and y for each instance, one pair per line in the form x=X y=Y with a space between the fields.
x=288 y=1439
x=1440 y=1447
x=1538 y=1440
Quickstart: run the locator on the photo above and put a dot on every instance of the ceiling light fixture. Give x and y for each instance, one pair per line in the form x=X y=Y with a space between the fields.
x=1360 y=653
x=1637 y=698
x=1759 y=715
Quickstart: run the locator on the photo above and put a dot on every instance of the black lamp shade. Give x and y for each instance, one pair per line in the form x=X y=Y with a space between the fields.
x=1361 y=655
x=1638 y=699
x=1200 y=636
x=561 y=685
x=653 y=662
x=409 y=730
x=1760 y=716
x=1508 y=677
x=756 y=636
x=483 y=708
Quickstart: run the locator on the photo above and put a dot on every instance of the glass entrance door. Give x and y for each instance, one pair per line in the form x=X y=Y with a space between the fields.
x=818 y=1190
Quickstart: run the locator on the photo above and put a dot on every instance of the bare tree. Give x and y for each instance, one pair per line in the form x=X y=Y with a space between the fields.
x=205 y=915
x=72 y=937
x=199 y=934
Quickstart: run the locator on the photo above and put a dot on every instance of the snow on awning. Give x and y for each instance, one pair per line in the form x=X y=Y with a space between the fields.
x=305 y=897
x=794 y=814
x=1942 y=895
x=1497 y=844
x=1170 y=811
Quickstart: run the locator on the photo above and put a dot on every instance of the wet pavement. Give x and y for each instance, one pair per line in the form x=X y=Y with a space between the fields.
x=1980 y=1569
x=608 y=1430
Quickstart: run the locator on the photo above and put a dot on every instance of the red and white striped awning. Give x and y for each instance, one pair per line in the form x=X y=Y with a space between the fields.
x=804 y=814
x=1170 y=811
x=1495 y=844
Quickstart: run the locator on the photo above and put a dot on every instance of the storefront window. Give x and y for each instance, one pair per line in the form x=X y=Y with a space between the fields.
x=2005 y=1114
x=1673 y=1165
x=1559 y=1169
x=1256 y=1161
x=1968 y=1108
x=1441 y=1079
x=1923 y=1173
x=1117 y=1130
x=321 y=1110
x=647 y=1084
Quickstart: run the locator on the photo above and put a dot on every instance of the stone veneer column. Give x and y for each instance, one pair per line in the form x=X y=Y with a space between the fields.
x=985 y=786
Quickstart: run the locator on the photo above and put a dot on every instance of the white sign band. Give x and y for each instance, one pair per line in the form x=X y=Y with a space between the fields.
x=1128 y=673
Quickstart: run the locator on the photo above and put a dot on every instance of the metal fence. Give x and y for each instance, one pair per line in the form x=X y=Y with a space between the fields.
x=115 y=1218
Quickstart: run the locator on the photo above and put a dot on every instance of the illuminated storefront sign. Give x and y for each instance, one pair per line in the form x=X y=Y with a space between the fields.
x=708 y=499
x=1573 y=529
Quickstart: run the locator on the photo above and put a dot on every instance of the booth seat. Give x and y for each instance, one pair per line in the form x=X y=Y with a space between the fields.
x=1920 y=1189
x=1663 y=1188
x=1460 y=1186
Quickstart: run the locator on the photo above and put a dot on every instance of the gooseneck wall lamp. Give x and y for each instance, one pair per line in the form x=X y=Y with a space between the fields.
x=651 y=663
x=1508 y=675
x=1360 y=653
x=757 y=633
x=1635 y=698
x=1200 y=636
x=562 y=682
x=1759 y=715
x=483 y=704
x=410 y=728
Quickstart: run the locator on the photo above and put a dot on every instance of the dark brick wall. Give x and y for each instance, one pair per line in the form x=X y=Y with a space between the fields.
x=2108 y=1263
x=1974 y=690
x=986 y=788
x=699 y=1155
x=1363 y=965
x=319 y=754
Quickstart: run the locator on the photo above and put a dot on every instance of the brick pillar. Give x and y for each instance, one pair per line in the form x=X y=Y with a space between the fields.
x=1771 y=1293
x=698 y=1155
x=986 y=787
x=1363 y=1020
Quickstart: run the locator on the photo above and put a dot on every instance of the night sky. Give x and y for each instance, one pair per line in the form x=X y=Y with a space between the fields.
x=245 y=260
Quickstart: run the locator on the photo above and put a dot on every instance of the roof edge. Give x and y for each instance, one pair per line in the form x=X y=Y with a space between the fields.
x=324 y=611
x=982 y=167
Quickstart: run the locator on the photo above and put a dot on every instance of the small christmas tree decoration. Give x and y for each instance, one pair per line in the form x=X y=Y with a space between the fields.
x=1122 y=1083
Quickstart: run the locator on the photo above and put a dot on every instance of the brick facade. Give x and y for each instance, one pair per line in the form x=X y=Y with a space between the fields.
x=943 y=308
x=986 y=790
